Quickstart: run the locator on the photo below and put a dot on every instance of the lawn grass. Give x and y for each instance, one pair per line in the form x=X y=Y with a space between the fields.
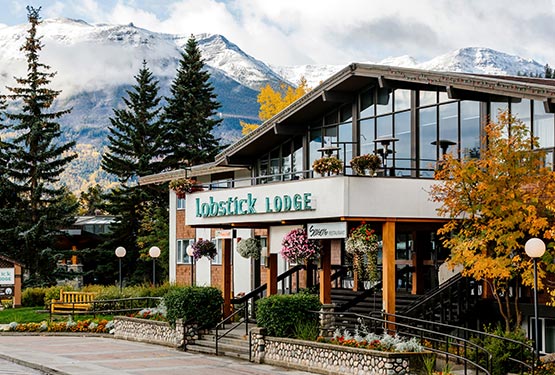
x=37 y=315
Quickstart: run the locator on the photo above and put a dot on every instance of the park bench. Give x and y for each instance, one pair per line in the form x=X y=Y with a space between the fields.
x=72 y=302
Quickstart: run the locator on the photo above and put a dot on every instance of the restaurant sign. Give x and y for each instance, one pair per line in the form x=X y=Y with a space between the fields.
x=320 y=231
x=7 y=276
x=251 y=205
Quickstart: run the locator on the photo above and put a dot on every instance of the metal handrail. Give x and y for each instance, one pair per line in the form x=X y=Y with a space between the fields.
x=387 y=326
x=244 y=309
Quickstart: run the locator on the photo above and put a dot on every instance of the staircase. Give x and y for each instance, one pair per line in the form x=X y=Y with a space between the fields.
x=234 y=344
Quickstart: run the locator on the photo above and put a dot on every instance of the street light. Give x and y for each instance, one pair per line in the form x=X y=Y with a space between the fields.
x=190 y=252
x=535 y=248
x=154 y=253
x=120 y=253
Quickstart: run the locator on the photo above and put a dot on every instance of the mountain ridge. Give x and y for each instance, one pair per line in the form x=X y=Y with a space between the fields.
x=96 y=64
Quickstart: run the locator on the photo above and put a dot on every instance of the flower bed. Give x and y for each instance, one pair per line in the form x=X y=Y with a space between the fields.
x=324 y=358
x=88 y=325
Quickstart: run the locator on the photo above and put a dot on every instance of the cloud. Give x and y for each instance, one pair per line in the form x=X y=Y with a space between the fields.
x=338 y=32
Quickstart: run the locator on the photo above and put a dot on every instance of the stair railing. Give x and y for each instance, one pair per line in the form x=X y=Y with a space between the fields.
x=450 y=300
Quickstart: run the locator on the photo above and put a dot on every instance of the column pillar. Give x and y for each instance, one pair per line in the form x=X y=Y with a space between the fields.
x=325 y=273
x=272 y=274
x=226 y=276
x=388 y=266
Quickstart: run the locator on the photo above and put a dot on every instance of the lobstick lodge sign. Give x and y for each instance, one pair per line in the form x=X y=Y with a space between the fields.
x=251 y=205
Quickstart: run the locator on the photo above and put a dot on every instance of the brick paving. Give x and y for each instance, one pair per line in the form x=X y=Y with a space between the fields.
x=88 y=355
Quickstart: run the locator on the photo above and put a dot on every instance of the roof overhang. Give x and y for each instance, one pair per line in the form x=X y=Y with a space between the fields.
x=343 y=86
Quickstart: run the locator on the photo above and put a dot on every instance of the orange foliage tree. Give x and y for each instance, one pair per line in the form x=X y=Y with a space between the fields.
x=273 y=101
x=497 y=202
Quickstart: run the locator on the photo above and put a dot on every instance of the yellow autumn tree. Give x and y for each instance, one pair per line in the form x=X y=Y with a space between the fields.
x=497 y=202
x=273 y=101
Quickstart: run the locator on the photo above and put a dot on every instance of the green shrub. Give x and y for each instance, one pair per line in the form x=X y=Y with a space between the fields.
x=279 y=313
x=33 y=297
x=200 y=304
x=306 y=330
x=502 y=350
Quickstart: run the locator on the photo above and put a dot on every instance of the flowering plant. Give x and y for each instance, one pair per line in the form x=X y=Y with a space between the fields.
x=368 y=340
x=298 y=248
x=249 y=248
x=329 y=164
x=204 y=248
x=362 y=163
x=182 y=186
x=362 y=245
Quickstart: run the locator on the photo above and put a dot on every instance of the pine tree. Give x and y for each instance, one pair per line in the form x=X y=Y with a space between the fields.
x=135 y=149
x=36 y=159
x=549 y=72
x=190 y=112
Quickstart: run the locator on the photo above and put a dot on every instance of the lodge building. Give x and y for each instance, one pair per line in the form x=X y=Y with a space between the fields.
x=263 y=184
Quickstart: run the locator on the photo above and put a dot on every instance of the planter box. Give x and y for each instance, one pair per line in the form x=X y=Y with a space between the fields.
x=154 y=332
x=331 y=359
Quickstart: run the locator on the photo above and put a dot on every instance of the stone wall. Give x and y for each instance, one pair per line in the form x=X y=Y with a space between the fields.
x=330 y=359
x=154 y=332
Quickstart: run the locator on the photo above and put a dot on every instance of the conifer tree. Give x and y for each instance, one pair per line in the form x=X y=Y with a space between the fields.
x=135 y=149
x=190 y=112
x=36 y=159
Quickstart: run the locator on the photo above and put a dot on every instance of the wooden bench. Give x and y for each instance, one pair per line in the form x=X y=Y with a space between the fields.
x=72 y=302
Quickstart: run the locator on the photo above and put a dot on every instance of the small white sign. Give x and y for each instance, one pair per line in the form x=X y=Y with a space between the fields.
x=320 y=231
x=7 y=276
x=224 y=233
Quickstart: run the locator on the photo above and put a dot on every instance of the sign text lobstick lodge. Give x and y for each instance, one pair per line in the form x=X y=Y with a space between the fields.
x=250 y=205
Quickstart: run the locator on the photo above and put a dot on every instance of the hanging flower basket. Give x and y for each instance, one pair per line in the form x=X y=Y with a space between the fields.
x=204 y=248
x=249 y=248
x=183 y=186
x=363 y=246
x=365 y=163
x=297 y=248
x=328 y=165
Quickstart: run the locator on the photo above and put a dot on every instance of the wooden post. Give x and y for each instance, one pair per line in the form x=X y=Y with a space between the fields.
x=388 y=264
x=272 y=274
x=325 y=273
x=226 y=276
x=74 y=255
x=18 y=275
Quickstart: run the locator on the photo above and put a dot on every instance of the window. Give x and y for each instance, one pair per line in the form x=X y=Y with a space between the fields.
x=543 y=126
x=180 y=203
x=182 y=257
x=218 y=258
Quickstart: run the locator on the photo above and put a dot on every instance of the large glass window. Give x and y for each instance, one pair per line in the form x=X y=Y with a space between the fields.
x=428 y=134
x=449 y=125
x=385 y=104
x=314 y=145
x=182 y=257
x=297 y=158
x=402 y=100
x=520 y=108
x=403 y=145
x=367 y=137
x=427 y=98
x=286 y=160
x=470 y=129
x=367 y=107
x=543 y=126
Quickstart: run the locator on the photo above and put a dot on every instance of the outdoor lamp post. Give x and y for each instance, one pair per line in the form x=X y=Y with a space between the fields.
x=120 y=253
x=190 y=252
x=154 y=253
x=535 y=248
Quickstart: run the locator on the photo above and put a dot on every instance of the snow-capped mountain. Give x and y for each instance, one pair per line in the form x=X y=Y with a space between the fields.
x=96 y=64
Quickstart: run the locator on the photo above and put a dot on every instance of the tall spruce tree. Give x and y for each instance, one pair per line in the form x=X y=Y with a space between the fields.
x=190 y=112
x=36 y=159
x=135 y=149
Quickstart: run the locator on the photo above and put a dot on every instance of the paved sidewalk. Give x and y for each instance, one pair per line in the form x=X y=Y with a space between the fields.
x=87 y=355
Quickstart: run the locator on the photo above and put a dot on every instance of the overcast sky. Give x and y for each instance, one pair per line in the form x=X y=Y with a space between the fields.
x=291 y=32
